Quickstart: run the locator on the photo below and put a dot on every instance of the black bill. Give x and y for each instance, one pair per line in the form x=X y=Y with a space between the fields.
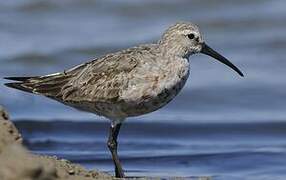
x=209 y=51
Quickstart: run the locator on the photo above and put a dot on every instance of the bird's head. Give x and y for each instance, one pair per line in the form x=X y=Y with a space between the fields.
x=184 y=39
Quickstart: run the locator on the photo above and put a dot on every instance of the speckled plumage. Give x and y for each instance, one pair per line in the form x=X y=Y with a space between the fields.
x=127 y=83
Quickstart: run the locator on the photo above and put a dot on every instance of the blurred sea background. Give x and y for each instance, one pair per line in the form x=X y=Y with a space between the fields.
x=220 y=125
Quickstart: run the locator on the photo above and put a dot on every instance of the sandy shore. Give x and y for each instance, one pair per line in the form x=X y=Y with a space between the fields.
x=16 y=163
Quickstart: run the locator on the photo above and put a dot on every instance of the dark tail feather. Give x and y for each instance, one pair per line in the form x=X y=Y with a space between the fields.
x=18 y=78
x=19 y=86
x=49 y=85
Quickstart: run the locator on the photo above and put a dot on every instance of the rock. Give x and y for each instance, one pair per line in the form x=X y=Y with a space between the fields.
x=3 y=114
x=8 y=132
x=16 y=163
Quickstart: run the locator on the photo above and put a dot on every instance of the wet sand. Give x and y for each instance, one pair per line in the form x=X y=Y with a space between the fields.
x=16 y=162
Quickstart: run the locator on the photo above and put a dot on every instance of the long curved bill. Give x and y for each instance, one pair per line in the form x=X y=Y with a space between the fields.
x=209 y=51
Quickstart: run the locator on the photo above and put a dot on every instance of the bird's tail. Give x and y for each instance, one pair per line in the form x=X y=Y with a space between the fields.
x=49 y=85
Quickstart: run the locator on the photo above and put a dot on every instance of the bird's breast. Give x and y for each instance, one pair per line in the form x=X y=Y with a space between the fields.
x=155 y=86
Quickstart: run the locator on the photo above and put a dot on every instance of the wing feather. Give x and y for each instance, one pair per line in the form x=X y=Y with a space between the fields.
x=101 y=80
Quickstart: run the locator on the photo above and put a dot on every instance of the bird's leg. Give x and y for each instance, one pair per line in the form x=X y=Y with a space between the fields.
x=112 y=145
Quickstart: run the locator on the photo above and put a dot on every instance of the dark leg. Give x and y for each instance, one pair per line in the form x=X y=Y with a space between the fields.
x=112 y=145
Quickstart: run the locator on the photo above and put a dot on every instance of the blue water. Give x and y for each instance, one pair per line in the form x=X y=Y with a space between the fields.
x=221 y=125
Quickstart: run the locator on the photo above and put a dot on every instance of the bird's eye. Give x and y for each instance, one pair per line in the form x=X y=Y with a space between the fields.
x=191 y=36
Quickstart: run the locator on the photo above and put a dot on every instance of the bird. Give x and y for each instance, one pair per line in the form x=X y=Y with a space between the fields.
x=127 y=83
